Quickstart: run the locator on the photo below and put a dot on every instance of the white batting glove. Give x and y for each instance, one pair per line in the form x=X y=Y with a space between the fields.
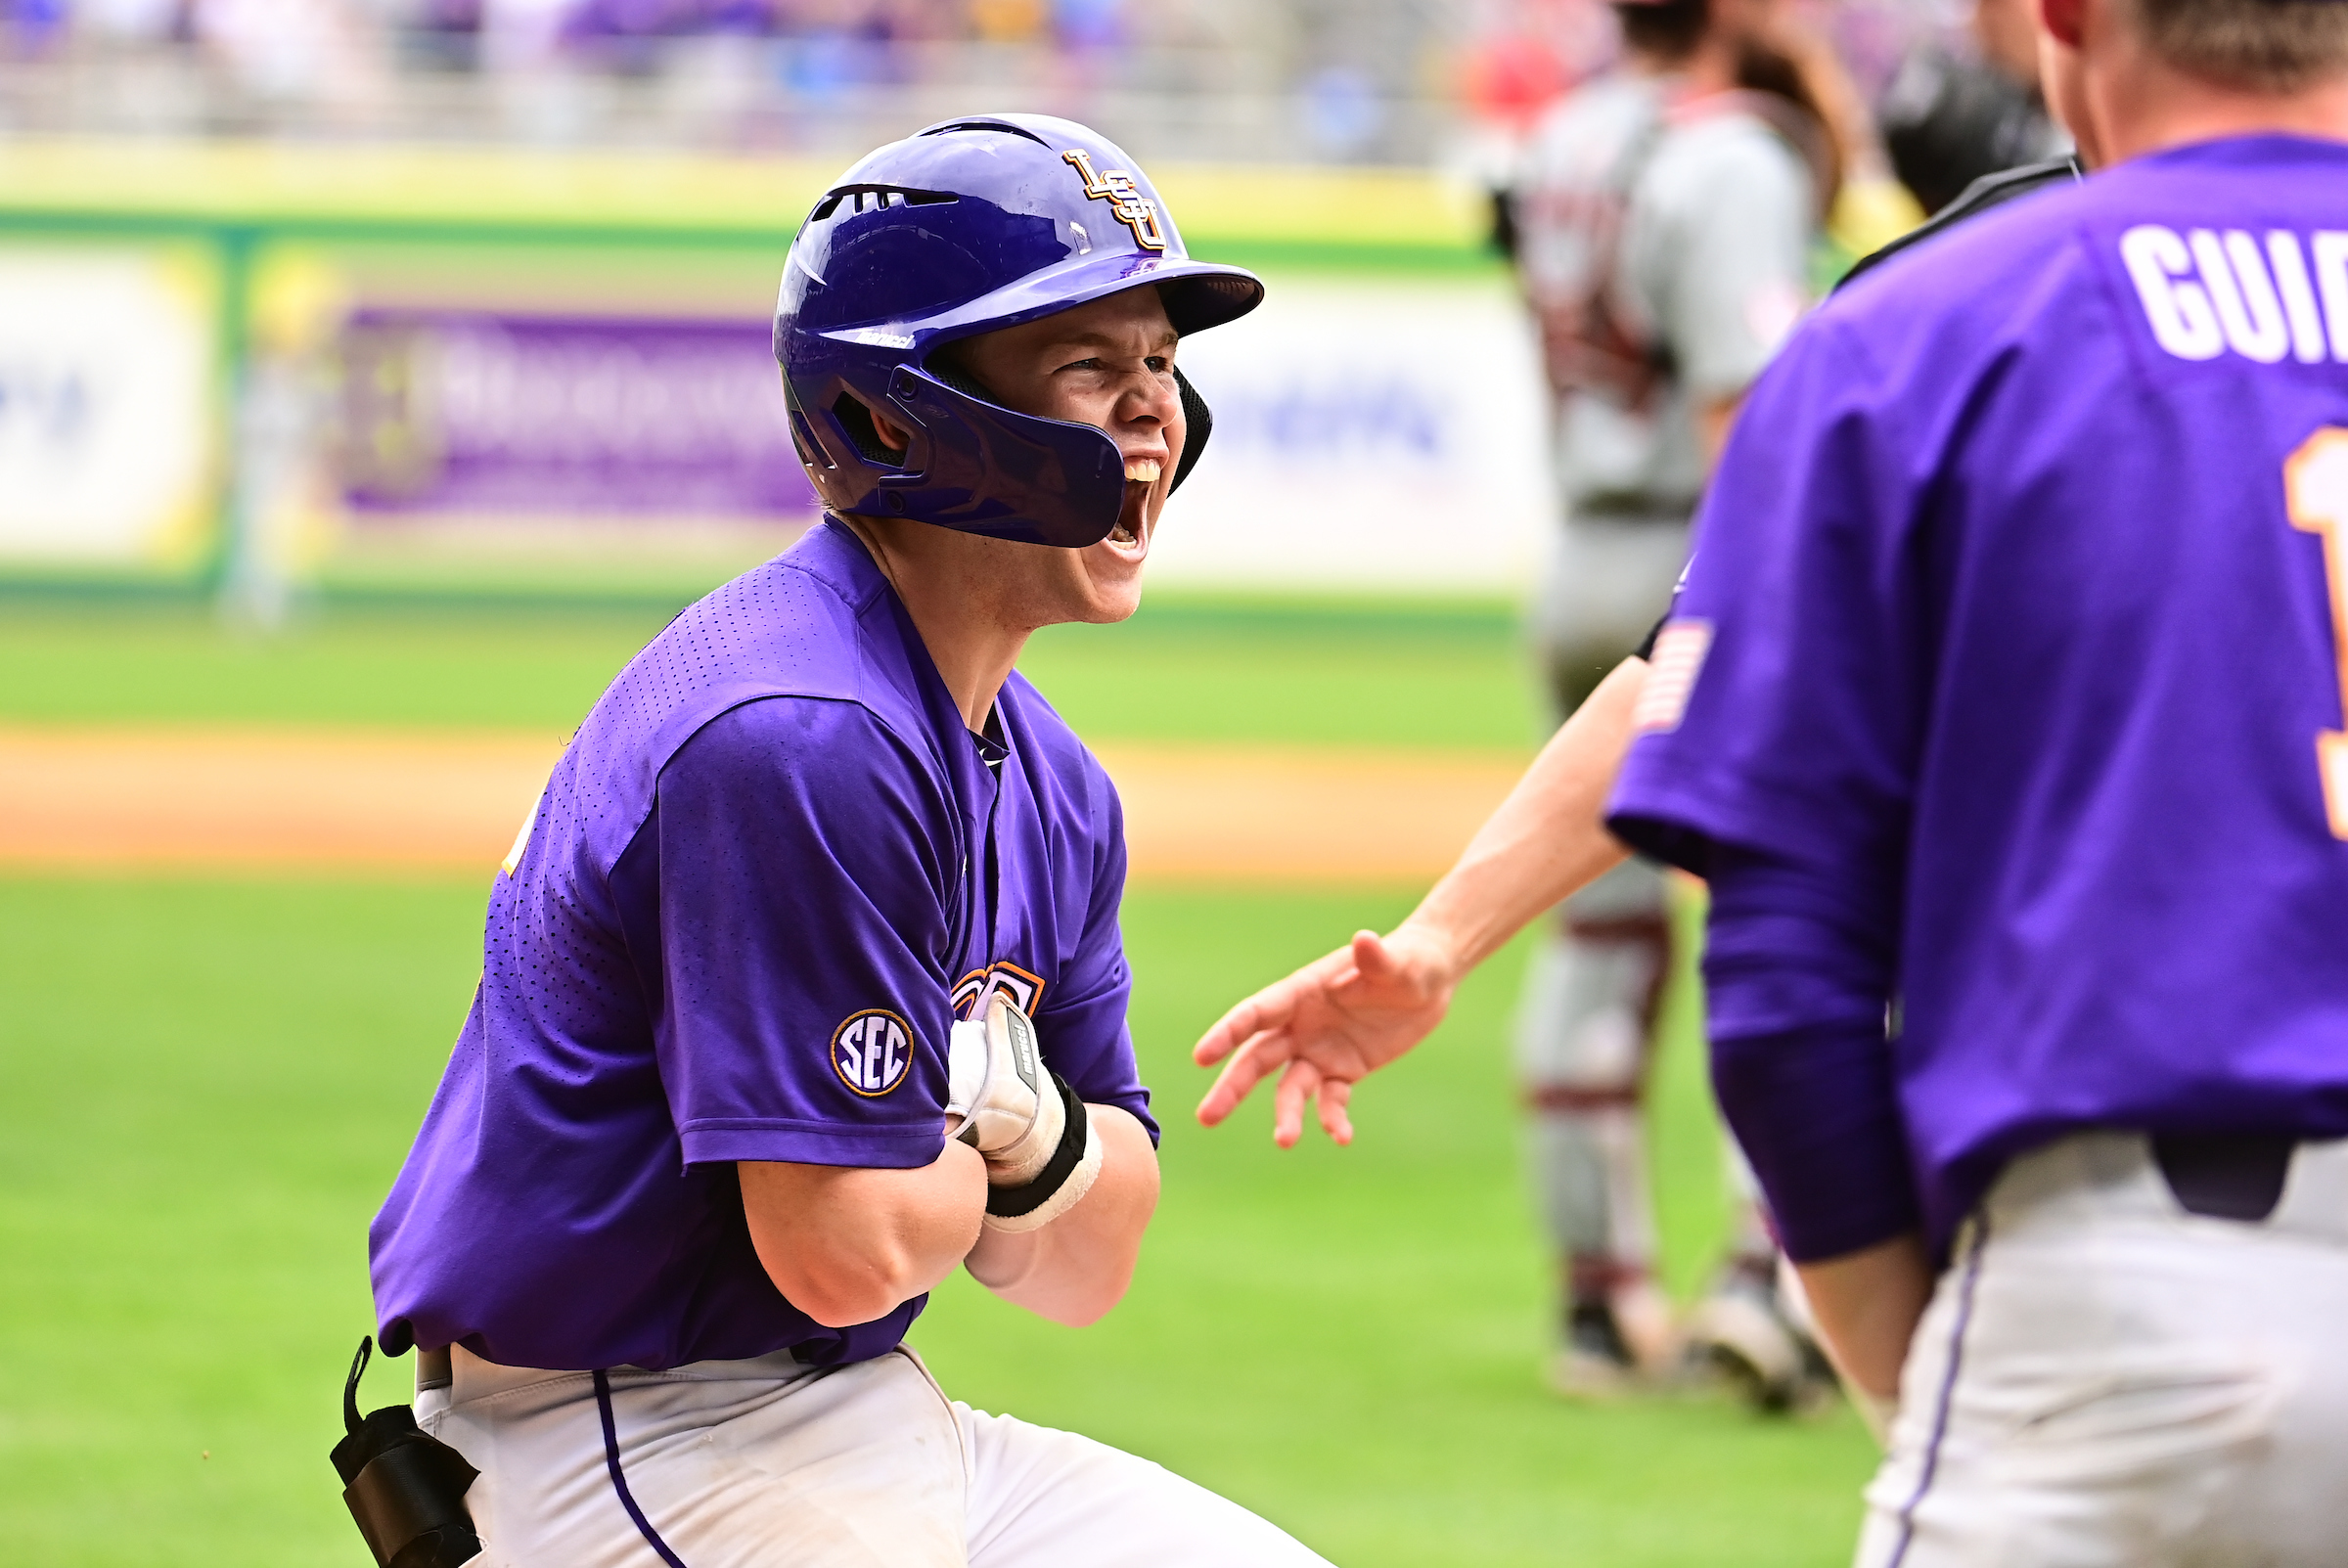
x=1005 y=1103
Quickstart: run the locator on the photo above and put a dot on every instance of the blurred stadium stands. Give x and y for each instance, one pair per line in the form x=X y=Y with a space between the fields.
x=1297 y=80
x=419 y=296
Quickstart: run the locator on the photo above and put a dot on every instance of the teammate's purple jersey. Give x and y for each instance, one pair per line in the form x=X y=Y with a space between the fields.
x=769 y=868
x=2016 y=612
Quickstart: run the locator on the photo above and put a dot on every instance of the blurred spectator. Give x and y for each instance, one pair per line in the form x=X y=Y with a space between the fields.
x=1088 y=24
x=521 y=36
x=133 y=21
x=1530 y=54
x=29 y=29
x=445 y=34
x=1959 y=110
x=320 y=51
x=1341 y=110
x=1008 y=21
x=1206 y=79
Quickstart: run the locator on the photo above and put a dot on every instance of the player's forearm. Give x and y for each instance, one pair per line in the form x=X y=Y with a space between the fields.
x=1545 y=840
x=1867 y=1304
x=846 y=1246
x=1075 y=1269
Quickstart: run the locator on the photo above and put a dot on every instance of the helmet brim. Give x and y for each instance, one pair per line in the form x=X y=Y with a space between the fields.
x=1197 y=295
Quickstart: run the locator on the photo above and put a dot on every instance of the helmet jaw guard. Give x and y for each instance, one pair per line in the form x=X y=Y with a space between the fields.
x=976 y=225
x=972 y=466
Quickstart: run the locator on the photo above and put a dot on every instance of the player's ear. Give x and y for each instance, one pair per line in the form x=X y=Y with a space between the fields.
x=892 y=435
x=2063 y=20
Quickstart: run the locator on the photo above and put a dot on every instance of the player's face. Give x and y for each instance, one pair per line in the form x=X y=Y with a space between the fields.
x=1109 y=364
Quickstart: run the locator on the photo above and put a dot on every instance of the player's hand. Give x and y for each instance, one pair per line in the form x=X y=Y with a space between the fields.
x=1327 y=1027
x=1001 y=1100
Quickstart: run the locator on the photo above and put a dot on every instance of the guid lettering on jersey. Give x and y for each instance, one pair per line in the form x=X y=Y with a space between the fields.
x=2207 y=290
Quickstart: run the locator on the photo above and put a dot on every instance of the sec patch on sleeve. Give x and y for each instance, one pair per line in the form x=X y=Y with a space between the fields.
x=871 y=1051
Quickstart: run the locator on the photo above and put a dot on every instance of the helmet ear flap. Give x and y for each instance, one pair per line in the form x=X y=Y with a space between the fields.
x=1197 y=423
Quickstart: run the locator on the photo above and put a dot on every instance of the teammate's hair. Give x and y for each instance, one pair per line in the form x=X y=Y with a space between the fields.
x=1666 y=29
x=2267 y=46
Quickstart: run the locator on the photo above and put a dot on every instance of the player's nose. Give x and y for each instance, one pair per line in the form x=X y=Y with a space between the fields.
x=1150 y=402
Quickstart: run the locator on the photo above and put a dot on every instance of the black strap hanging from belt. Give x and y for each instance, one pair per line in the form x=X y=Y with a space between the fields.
x=404 y=1488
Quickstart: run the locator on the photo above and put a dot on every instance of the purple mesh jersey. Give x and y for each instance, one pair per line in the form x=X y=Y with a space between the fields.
x=2017 y=614
x=768 y=870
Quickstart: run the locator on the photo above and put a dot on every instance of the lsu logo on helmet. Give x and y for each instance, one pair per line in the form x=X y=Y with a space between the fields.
x=1126 y=201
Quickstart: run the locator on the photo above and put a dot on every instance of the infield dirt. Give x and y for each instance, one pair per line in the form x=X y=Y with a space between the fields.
x=149 y=798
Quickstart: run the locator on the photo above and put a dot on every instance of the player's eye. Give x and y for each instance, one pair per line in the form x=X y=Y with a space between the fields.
x=1082 y=364
x=1158 y=364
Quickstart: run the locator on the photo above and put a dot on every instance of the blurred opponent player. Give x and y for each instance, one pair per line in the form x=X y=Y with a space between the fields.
x=1662 y=220
x=755 y=1060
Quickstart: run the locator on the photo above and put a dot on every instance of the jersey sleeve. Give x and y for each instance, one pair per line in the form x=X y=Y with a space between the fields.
x=1730 y=259
x=1082 y=1021
x=1775 y=753
x=801 y=867
x=1786 y=692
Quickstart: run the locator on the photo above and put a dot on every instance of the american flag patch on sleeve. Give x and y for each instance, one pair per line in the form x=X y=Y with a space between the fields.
x=1680 y=650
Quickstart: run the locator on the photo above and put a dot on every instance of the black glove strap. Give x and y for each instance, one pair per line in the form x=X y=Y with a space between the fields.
x=1010 y=1202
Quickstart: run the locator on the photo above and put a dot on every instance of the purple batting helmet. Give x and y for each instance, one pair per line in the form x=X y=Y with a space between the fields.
x=968 y=226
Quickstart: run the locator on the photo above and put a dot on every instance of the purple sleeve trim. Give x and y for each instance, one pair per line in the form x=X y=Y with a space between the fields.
x=1797 y=975
x=714 y=1140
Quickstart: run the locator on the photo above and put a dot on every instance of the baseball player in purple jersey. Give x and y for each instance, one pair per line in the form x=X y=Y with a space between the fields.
x=2002 y=711
x=805 y=985
x=2003 y=708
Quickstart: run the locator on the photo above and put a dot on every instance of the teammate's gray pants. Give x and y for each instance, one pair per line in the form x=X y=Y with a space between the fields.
x=2104 y=1380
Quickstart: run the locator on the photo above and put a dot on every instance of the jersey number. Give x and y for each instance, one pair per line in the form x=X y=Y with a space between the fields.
x=2315 y=488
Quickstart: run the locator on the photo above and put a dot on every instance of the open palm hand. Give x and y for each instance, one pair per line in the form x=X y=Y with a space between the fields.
x=1325 y=1028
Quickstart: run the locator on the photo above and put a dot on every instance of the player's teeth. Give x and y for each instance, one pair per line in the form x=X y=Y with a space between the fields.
x=1121 y=534
x=1142 y=470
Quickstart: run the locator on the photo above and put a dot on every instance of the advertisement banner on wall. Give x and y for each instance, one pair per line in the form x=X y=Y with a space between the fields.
x=504 y=448
x=564 y=417
x=109 y=424
x=1380 y=435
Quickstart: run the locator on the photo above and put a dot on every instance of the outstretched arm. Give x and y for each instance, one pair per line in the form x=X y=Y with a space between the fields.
x=1346 y=1014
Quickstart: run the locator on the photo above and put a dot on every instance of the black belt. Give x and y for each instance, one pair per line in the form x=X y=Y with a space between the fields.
x=1625 y=508
x=2225 y=1176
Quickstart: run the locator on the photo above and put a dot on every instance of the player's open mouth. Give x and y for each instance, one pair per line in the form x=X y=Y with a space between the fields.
x=1132 y=525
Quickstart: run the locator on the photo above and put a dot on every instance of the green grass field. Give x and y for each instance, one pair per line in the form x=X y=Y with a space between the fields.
x=208 y=1084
